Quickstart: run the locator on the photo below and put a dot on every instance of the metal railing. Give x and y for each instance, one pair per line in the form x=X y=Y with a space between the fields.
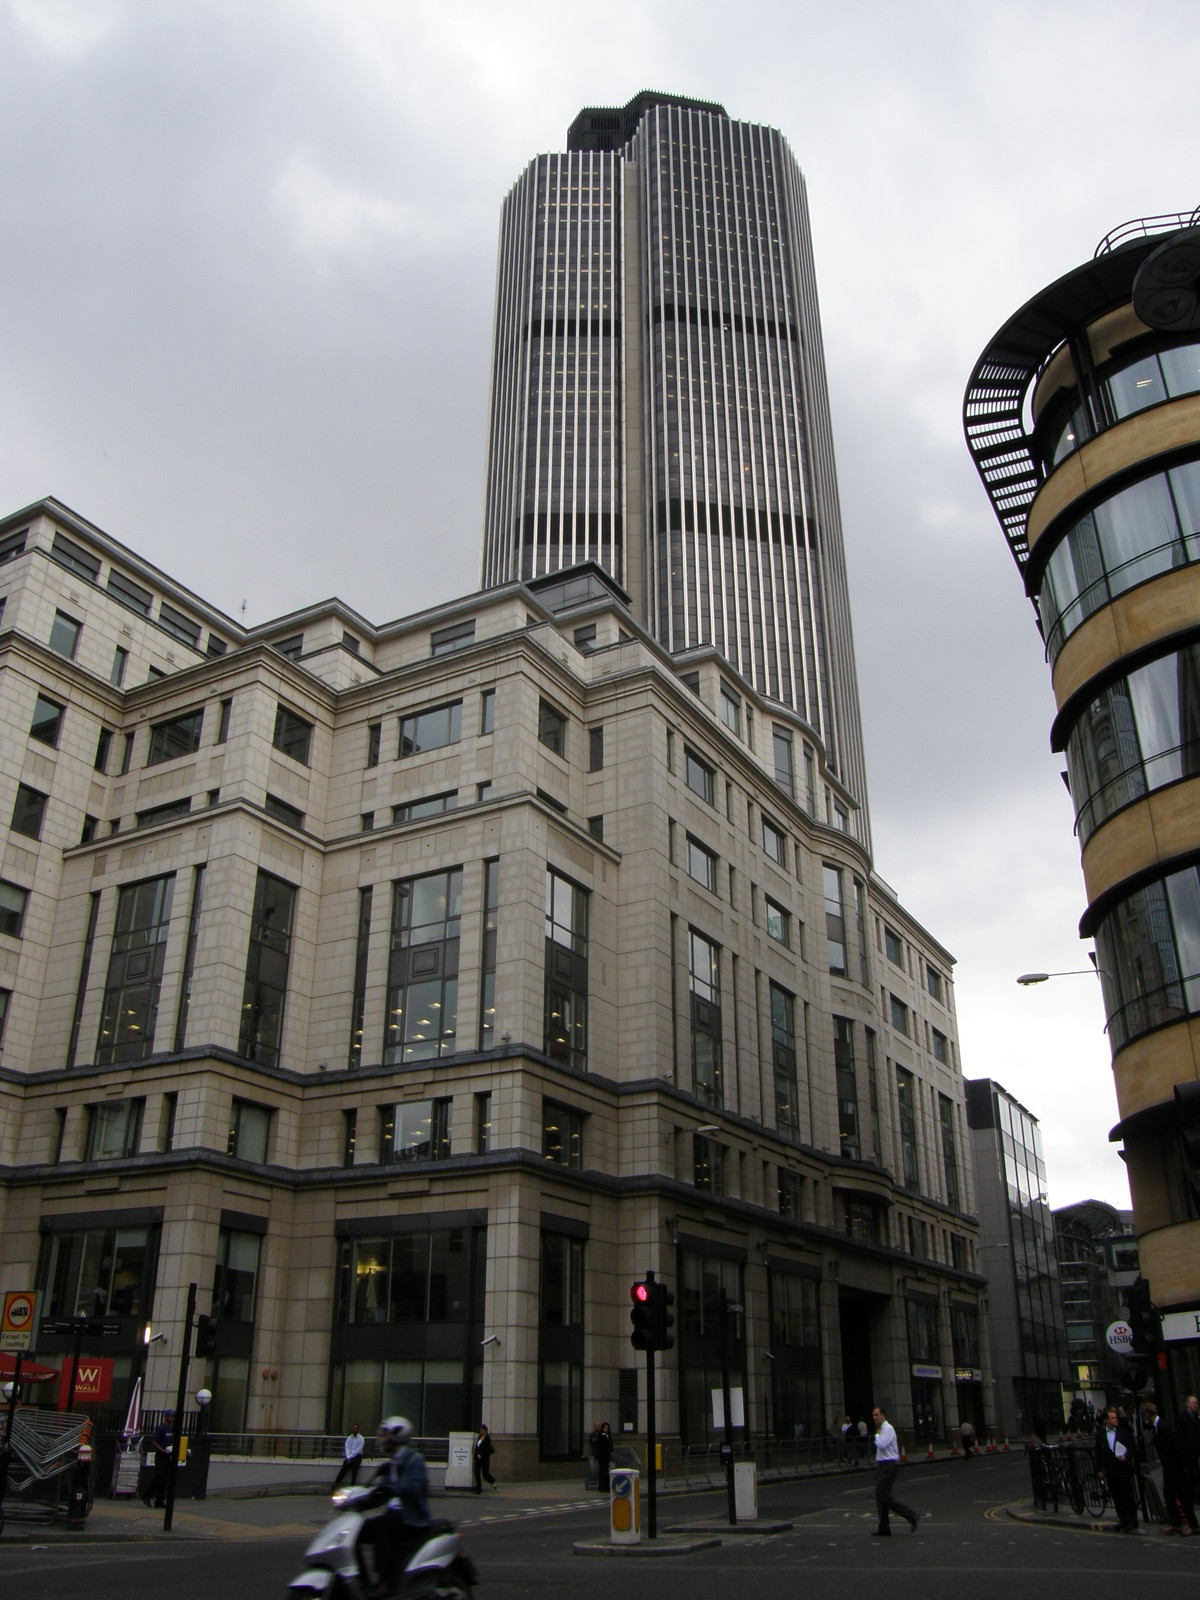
x=327 y=1447
x=1144 y=227
x=701 y=1463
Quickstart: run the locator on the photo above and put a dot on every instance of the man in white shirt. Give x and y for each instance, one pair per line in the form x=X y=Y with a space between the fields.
x=351 y=1456
x=887 y=1465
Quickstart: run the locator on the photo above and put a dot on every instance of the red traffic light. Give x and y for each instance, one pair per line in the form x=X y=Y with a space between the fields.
x=639 y=1293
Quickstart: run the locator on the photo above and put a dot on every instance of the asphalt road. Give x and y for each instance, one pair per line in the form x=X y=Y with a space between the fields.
x=966 y=1546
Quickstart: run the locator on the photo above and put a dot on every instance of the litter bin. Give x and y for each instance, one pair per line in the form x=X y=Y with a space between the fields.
x=745 y=1491
x=625 y=1525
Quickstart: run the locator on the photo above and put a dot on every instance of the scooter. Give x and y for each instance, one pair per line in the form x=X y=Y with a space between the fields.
x=439 y=1569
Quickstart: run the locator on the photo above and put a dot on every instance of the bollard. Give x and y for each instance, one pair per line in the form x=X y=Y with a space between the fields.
x=625 y=1524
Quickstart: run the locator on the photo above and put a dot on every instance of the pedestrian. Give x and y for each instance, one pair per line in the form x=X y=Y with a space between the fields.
x=593 y=1464
x=1187 y=1431
x=482 y=1457
x=864 y=1438
x=967 y=1430
x=603 y=1456
x=352 y=1450
x=1178 y=1488
x=849 y=1442
x=887 y=1465
x=1114 y=1463
x=156 y=1495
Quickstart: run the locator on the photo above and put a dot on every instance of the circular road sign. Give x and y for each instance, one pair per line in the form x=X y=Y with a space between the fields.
x=1119 y=1337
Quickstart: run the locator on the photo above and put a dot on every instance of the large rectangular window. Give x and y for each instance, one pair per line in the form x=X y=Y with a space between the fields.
x=99 y=1272
x=907 y=1122
x=565 y=1034
x=701 y=864
x=179 y=625
x=64 y=635
x=76 y=559
x=267 y=956
x=562 y=1135
x=415 y=1130
x=114 y=1129
x=560 y=1348
x=949 y=1150
x=189 y=958
x=249 y=1131
x=552 y=728
x=129 y=594
x=785 y=770
x=487 y=957
x=698 y=775
x=431 y=729
x=774 y=843
x=47 y=721
x=835 y=920
x=178 y=737
x=358 y=1000
x=847 y=1086
x=704 y=984
x=783 y=1062
x=13 y=900
x=293 y=734
x=422 y=993
x=29 y=811
x=708 y=1165
x=135 y=968
x=860 y=929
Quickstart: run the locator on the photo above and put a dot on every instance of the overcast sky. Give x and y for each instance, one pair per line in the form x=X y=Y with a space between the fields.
x=246 y=292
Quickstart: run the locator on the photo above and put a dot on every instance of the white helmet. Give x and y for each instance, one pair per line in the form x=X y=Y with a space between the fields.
x=395 y=1430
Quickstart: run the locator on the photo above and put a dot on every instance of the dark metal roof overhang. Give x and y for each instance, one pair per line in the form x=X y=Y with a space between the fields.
x=993 y=405
x=1163 y=1120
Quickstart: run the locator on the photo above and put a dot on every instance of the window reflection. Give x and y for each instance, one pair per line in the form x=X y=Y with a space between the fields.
x=1149 y=957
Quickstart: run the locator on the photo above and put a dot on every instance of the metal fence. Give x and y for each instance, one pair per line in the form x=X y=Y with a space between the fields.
x=701 y=1463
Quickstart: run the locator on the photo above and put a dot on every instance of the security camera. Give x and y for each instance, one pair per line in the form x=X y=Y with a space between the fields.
x=492 y=1338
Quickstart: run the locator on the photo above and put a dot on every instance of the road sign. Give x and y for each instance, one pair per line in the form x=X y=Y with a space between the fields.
x=86 y=1327
x=16 y=1321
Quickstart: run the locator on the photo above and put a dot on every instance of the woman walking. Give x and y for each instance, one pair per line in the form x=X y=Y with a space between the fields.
x=483 y=1459
x=603 y=1457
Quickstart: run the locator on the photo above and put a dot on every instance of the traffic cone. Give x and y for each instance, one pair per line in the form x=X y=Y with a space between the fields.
x=929 y=1452
x=903 y=1452
x=991 y=1445
x=1007 y=1446
x=954 y=1447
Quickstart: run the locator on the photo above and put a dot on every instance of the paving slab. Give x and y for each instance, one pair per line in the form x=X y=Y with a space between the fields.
x=669 y=1544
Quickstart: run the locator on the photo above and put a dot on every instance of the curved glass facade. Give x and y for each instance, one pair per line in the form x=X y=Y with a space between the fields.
x=1142 y=530
x=1148 y=949
x=1140 y=734
x=1127 y=385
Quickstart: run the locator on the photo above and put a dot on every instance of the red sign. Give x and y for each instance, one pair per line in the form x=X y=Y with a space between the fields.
x=31 y=1372
x=93 y=1381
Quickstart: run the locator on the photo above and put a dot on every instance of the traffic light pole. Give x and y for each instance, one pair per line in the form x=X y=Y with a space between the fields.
x=651 y=1442
x=180 y=1401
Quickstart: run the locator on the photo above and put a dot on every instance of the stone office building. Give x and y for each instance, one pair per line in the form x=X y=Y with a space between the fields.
x=413 y=988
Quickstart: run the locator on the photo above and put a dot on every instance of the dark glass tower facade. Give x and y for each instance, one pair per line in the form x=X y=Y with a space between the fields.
x=659 y=402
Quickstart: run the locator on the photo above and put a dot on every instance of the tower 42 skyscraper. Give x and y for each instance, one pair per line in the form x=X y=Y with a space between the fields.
x=659 y=403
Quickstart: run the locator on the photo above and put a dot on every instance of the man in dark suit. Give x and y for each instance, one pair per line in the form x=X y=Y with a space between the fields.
x=1115 y=1454
x=1187 y=1431
x=1178 y=1490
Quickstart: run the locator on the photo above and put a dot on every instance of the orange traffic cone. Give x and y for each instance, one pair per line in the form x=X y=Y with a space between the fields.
x=929 y=1452
x=903 y=1452
x=1007 y=1446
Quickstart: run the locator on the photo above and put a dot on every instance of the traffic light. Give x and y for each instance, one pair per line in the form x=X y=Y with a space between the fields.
x=642 y=1316
x=662 y=1319
x=206 y=1336
x=1143 y=1319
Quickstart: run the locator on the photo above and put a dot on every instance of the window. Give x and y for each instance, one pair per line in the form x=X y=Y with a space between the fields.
x=430 y=730
x=585 y=638
x=12 y=908
x=562 y=1135
x=774 y=843
x=349 y=1135
x=487 y=958
x=708 y=1165
x=701 y=864
x=899 y=1015
x=779 y=922
x=120 y=661
x=847 y=1087
x=178 y=737
x=155 y=675
x=64 y=635
x=841 y=817
x=552 y=728
x=432 y=805
x=487 y=711
x=99 y=1272
x=789 y=1187
x=292 y=647
x=785 y=771
x=731 y=710
x=860 y=928
x=88 y=831
x=835 y=920
x=907 y=1106
x=949 y=1150
x=483 y=1124
x=422 y=992
x=216 y=647
x=705 y=992
x=933 y=982
x=47 y=721
x=135 y=967
x=292 y=735
x=103 y=745
x=170 y=1110
x=415 y=1130
x=444 y=641
x=12 y=545
x=863 y=1220
x=374 y=736
x=114 y=1130
x=595 y=749
x=349 y=642
x=179 y=626
x=893 y=947
x=698 y=775
x=941 y=1047
x=249 y=1126
x=128 y=593
x=565 y=1032
x=223 y=722
x=189 y=957
x=267 y=956
x=595 y=826
x=358 y=1002
x=236 y=1275
x=282 y=811
x=164 y=813
x=77 y=560
x=126 y=753
x=783 y=1061
x=918 y=1238
x=29 y=811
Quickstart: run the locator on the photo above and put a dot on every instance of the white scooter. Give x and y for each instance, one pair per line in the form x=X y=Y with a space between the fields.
x=438 y=1570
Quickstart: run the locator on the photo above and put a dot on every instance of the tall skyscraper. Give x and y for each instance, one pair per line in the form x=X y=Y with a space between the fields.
x=659 y=403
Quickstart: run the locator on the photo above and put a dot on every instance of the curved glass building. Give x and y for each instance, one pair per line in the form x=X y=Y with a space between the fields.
x=659 y=403
x=1083 y=416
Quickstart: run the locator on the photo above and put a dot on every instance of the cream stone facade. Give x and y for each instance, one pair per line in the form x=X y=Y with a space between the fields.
x=409 y=987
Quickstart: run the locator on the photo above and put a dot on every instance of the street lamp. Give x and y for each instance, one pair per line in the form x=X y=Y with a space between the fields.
x=1028 y=978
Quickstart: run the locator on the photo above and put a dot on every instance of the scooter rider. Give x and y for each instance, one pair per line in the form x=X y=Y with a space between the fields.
x=401 y=1527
